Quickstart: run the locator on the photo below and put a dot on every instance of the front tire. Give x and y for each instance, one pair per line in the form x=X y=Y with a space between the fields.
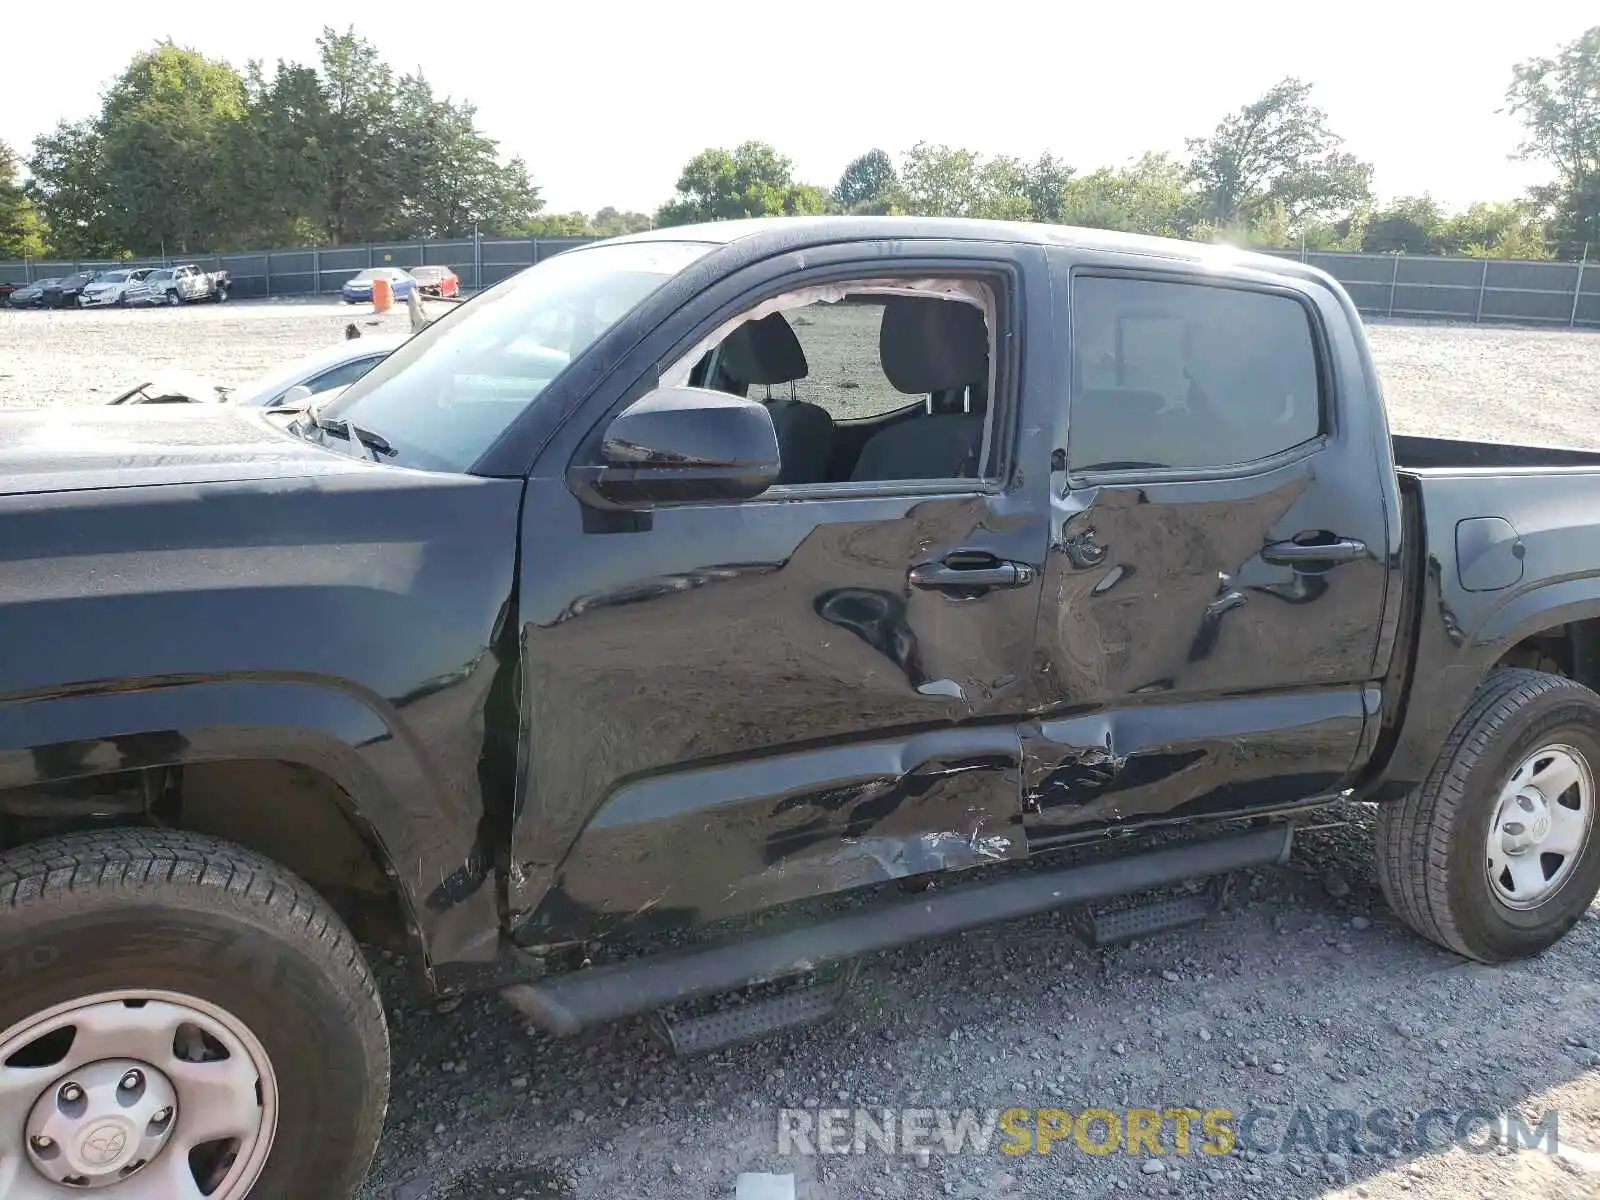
x=126 y=936
x=1496 y=856
x=173 y=299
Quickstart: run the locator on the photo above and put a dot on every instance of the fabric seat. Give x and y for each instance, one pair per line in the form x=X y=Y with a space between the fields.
x=766 y=352
x=938 y=348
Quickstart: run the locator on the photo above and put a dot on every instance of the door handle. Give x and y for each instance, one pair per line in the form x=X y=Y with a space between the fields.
x=970 y=571
x=1314 y=554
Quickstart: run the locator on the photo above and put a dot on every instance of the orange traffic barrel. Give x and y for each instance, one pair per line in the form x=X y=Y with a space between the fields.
x=382 y=295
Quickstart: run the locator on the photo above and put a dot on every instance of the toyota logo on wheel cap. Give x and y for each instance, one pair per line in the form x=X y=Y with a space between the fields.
x=103 y=1145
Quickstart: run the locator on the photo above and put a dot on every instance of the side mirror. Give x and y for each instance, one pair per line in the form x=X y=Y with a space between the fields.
x=680 y=444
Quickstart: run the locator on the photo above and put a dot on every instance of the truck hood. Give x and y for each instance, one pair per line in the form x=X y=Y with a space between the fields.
x=73 y=449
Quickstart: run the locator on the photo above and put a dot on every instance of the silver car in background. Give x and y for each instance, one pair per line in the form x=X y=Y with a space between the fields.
x=152 y=289
x=315 y=373
x=110 y=288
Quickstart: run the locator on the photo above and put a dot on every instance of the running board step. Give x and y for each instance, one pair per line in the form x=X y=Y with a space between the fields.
x=749 y=1021
x=564 y=1004
x=1102 y=927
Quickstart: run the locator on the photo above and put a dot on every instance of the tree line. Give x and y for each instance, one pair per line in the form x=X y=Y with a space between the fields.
x=189 y=154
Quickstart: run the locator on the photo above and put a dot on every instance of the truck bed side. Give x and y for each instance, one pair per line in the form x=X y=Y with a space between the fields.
x=1506 y=570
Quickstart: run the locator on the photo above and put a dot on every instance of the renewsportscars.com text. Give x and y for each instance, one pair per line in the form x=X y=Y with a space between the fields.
x=1157 y=1131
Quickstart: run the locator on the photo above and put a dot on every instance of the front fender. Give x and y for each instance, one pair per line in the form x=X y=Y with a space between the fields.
x=429 y=833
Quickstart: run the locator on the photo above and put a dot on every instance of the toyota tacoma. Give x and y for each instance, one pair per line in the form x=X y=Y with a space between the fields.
x=603 y=636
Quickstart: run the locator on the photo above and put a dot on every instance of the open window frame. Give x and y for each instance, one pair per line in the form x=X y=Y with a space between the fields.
x=993 y=287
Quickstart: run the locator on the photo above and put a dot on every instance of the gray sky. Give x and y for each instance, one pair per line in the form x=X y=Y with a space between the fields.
x=607 y=111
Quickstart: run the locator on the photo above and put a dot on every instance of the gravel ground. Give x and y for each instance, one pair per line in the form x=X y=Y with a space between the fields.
x=1304 y=993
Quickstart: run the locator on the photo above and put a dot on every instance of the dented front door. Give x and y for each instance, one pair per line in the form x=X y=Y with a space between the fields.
x=760 y=702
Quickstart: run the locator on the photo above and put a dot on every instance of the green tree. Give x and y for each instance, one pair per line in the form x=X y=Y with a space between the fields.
x=567 y=224
x=1147 y=196
x=276 y=162
x=165 y=127
x=451 y=173
x=1004 y=183
x=22 y=230
x=1045 y=186
x=1508 y=229
x=69 y=184
x=608 y=222
x=948 y=181
x=189 y=154
x=1409 y=225
x=943 y=181
x=868 y=184
x=360 y=181
x=752 y=180
x=1558 y=102
x=1275 y=151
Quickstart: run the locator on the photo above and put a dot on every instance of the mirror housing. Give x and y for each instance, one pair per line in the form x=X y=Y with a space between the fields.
x=680 y=445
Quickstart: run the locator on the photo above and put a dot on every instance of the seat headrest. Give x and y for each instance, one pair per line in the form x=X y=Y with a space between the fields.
x=764 y=352
x=929 y=345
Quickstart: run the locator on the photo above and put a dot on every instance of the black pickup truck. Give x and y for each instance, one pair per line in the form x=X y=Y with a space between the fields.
x=591 y=646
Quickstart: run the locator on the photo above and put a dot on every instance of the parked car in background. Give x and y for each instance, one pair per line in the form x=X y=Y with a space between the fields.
x=32 y=295
x=152 y=289
x=172 y=386
x=318 y=372
x=439 y=282
x=111 y=287
x=5 y=292
x=179 y=285
x=311 y=375
x=359 y=289
x=64 y=293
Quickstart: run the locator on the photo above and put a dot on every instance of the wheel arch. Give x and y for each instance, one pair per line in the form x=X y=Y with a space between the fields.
x=308 y=774
x=1562 y=608
x=1556 y=624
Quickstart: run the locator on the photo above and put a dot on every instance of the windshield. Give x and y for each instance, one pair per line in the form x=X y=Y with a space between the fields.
x=444 y=397
x=113 y=276
x=155 y=275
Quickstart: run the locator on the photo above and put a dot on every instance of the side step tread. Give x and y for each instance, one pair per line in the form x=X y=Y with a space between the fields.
x=1100 y=927
x=749 y=1021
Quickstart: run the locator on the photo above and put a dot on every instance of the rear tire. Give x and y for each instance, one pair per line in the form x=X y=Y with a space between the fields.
x=137 y=911
x=1442 y=851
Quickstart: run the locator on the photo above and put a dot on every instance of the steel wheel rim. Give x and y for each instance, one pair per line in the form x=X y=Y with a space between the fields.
x=1541 y=826
x=64 y=1111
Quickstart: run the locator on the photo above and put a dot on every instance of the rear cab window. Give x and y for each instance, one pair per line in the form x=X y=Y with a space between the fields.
x=1196 y=376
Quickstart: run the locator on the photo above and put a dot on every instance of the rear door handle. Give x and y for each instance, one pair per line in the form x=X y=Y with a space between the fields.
x=970 y=571
x=1314 y=554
